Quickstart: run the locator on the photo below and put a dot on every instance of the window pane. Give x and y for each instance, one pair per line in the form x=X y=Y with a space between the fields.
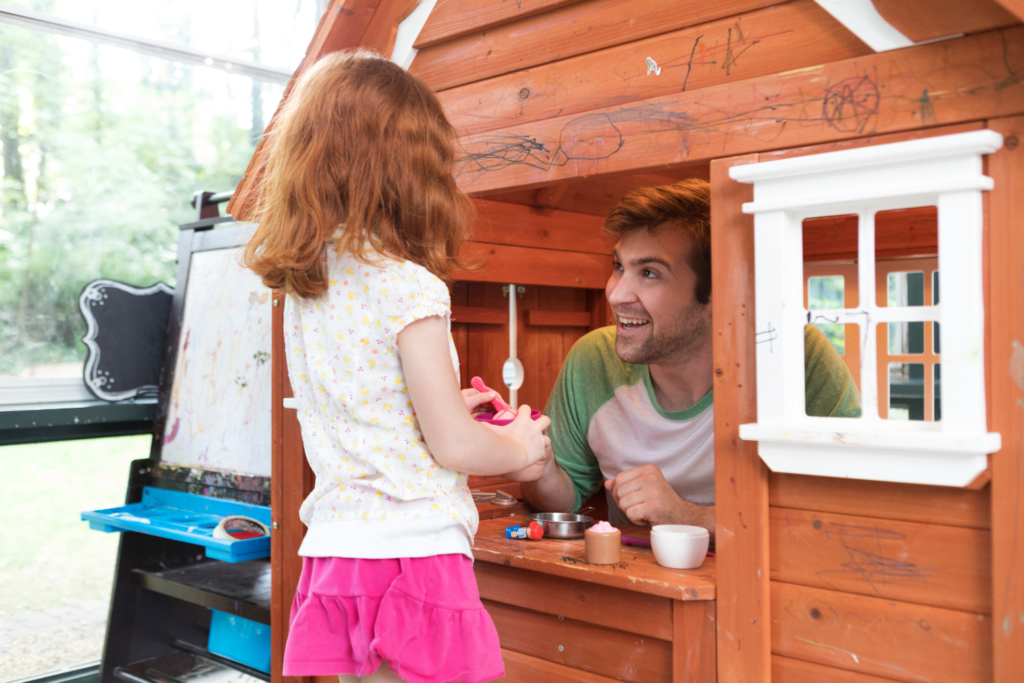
x=906 y=391
x=55 y=573
x=938 y=390
x=102 y=148
x=824 y=293
x=270 y=32
x=935 y=300
x=905 y=289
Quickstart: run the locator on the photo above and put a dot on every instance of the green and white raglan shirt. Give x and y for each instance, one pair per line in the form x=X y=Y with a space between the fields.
x=605 y=418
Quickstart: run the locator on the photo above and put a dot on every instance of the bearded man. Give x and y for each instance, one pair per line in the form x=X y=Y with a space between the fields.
x=632 y=409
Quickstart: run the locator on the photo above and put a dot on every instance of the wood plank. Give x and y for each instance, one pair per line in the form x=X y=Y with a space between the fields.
x=527 y=226
x=479 y=315
x=787 y=670
x=455 y=18
x=520 y=668
x=1004 y=356
x=559 y=318
x=566 y=32
x=788 y=36
x=647 y=615
x=1014 y=6
x=922 y=20
x=527 y=266
x=341 y=26
x=880 y=637
x=906 y=502
x=693 y=643
x=604 y=651
x=382 y=29
x=934 y=84
x=908 y=232
x=637 y=571
x=741 y=479
x=904 y=561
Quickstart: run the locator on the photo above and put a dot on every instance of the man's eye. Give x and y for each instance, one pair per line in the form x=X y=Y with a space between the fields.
x=616 y=265
x=648 y=273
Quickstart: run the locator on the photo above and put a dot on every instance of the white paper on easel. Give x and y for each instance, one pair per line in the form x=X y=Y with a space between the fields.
x=219 y=409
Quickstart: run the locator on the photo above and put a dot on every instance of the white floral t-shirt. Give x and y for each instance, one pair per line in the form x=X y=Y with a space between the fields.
x=379 y=492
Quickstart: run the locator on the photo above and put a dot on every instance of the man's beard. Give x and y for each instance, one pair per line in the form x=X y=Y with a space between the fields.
x=678 y=337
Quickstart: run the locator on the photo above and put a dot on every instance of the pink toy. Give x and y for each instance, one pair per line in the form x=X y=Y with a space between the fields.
x=499 y=404
x=504 y=413
x=603 y=527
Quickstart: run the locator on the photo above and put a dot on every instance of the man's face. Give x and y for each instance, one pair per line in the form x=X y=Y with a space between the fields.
x=651 y=293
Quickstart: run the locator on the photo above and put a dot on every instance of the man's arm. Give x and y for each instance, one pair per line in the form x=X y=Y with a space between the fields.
x=546 y=486
x=645 y=497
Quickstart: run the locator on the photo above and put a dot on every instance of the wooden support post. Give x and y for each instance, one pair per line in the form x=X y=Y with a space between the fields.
x=741 y=478
x=1005 y=359
x=291 y=481
x=693 y=641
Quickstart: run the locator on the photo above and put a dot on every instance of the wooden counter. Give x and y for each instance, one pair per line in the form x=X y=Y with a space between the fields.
x=561 y=619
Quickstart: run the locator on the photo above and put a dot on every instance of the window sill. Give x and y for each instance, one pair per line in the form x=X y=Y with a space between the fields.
x=74 y=420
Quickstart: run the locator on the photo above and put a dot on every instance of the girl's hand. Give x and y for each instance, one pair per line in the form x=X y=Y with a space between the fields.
x=477 y=402
x=529 y=434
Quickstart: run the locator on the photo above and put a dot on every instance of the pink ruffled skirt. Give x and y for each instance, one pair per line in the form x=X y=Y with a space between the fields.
x=422 y=614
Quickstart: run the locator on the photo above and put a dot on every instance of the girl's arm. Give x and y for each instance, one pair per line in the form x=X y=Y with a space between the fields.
x=456 y=440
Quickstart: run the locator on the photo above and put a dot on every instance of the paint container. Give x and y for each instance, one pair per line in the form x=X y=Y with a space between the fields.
x=679 y=546
x=603 y=547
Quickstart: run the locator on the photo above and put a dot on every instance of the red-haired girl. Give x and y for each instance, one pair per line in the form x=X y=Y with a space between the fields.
x=360 y=220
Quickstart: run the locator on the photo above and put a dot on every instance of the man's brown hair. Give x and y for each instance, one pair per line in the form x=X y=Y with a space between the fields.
x=361 y=148
x=685 y=206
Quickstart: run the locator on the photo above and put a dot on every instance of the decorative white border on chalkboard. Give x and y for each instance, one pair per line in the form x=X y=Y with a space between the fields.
x=94 y=380
x=944 y=171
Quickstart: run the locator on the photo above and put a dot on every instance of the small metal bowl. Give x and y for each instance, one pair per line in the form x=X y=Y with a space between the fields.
x=563 y=524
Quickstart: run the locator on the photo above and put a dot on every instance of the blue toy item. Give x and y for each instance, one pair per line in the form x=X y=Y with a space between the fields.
x=240 y=640
x=186 y=517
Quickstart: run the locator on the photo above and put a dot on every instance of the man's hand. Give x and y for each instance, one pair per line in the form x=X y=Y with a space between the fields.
x=646 y=497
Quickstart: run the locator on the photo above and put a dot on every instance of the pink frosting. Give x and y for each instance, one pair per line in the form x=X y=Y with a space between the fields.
x=603 y=528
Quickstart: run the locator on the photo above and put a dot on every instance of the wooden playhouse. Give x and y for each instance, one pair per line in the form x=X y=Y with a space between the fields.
x=827 y=573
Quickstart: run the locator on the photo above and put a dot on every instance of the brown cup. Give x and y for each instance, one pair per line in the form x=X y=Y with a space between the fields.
x=603 y=548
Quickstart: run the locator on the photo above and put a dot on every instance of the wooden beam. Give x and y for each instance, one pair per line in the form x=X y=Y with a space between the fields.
x=1016 y=7
x=880 y=637
x=520 y=668
x=948 y=82
x=382 y=29
x=693 y=641
x=1004 y=356
x=886 y=558
x=525 y=266
x=479 y=315
x=526 y=226
x=566 y=32
x=741 y=478
x=882 y=499
x=455 y=18
x=558 y=318
x=922 y=20
x=787 y=670
x=548 y=197
x=788 y=36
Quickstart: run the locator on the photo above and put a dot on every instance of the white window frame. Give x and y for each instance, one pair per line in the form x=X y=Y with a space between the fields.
x=943 y=171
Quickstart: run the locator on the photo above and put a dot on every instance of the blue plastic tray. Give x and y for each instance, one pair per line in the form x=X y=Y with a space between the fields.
x=186 y=517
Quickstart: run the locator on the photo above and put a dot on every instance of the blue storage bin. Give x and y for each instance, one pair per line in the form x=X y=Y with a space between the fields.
x=186 y=517
x=240 y=640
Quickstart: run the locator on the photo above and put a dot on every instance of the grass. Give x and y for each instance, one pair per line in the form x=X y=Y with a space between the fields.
x=48 y=556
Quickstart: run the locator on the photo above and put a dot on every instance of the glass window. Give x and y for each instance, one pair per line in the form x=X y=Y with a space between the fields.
x=55 y=573
x=102 y=148
x=825 y=293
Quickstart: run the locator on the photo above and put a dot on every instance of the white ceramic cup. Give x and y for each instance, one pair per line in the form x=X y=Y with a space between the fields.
x=679 y=546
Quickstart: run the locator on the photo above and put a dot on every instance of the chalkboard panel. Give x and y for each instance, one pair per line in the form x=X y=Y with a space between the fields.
x=125 y=333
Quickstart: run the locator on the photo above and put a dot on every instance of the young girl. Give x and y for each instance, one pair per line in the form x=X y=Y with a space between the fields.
x=359 y=221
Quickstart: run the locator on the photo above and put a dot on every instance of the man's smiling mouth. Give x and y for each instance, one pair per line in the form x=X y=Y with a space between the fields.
x=631 y=323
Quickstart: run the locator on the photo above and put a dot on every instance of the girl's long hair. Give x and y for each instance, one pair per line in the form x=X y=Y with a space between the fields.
x=363 y=148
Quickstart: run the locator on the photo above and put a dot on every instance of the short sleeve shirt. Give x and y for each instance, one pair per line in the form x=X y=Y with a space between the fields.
x=605 y=418
x=379 y=491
